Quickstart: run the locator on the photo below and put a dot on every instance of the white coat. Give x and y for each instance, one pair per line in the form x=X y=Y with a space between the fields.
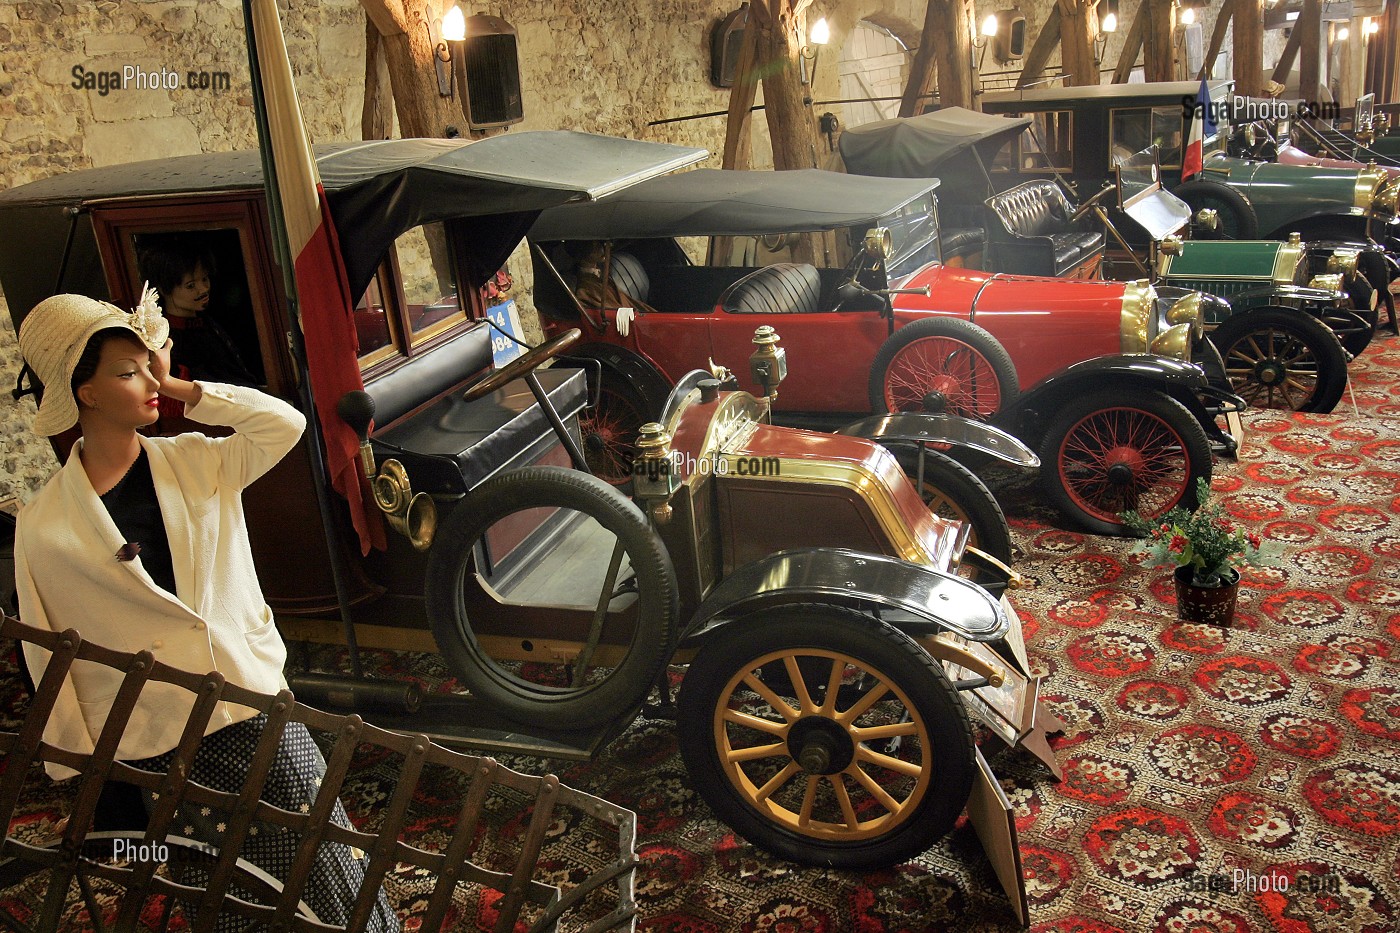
x=68 y=576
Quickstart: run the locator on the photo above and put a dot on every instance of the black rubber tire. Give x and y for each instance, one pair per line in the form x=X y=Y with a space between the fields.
x=624 y=687
x=1149 y=431
x=954 y=491
x=939 y=737
x=1237 y=218
x=950 y=337
x=1267 y=352
x=610 y=429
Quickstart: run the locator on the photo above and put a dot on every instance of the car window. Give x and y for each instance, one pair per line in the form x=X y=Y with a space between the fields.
x=1054 y=131
x=1133 y=129
x=430 y=294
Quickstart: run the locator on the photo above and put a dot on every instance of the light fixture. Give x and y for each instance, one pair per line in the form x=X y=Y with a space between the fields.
x=1344 y=33
x=989 y=26
x=818 y=36
x=1291 y=17
x=1370 y=27
x=1108 y=16
x=1188 y=16
x=453 y=32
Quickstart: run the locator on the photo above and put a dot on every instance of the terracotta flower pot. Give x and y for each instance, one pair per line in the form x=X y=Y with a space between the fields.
x=1214 y=605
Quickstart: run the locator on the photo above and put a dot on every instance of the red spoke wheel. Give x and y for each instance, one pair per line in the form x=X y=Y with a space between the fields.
x=943 y=365
x=1282 y=358
x=610 y=430
x=1102 y=456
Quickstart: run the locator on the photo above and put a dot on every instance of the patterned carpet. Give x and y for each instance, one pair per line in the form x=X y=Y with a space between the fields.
x=1203 y=766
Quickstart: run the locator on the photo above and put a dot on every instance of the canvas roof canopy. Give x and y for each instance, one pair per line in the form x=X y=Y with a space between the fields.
x=715 y=202
x=378 y=189
x=937 y=143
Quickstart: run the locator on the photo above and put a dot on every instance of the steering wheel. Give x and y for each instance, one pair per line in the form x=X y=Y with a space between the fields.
x=1089 y=202
x=521 y=365
x=850 y=274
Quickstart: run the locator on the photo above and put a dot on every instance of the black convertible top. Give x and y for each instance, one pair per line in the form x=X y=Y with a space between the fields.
x=378 y=189
x=926 y=145
x=715 y=202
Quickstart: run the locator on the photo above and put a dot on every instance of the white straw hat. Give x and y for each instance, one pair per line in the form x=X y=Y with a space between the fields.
x=53 y=336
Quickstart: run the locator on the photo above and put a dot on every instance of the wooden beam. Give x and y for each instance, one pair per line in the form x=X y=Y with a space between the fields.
x=1249 y=47
x=1078 y=26
x=1290 y=53
x=1039 y=56
x=953 y=42
x=921 y=68
x=738 y=127
x=377 y=113
x=1158 y=62
x=1217 y=37
x=1132 y=45
x=1309 y=26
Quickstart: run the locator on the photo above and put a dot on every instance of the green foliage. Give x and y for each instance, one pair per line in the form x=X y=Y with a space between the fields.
x=1206 y=539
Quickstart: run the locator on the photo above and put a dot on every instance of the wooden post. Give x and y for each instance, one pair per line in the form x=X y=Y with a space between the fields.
x=1249 y=47
x=1078 y=27
x=377 y=114
x=1309 y=27
x=1040 y=52
x=953 y=46
x=1158 y=59
x=790 y=124
x=407 y=47
x=1132 y=45
x=921 y=68
x=738 y=129
x=1217 y=37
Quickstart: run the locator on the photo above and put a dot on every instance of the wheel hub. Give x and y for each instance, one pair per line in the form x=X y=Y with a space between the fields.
x=935 y=402
x=1122 y=465
x=594 y=443
x=1270 y=372
x=820 y=745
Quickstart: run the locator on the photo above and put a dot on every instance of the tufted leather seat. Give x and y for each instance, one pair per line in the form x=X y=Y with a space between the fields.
x=782 y=288
x=629 y=277
x=1034 y=235
x=962 y=241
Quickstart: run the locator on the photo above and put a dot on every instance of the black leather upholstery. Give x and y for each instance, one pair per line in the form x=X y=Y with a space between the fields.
x=962 y=241
x=783 y=288
x=629 y=277
x=1033 y=234
x=399 y=392
x=452 y=446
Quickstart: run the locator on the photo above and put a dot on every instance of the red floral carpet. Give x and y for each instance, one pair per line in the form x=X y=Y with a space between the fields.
x=1204 y=767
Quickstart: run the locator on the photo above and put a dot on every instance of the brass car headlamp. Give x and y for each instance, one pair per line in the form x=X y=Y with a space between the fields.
x=879 y=242
x=1369 y=194
x=1208 y=218
x=1343 y=262
x=1329 y=282
x=1187 y=310
x=1170 y=245
x=1175 y=342
x=1135 y=318
x=1384 y=205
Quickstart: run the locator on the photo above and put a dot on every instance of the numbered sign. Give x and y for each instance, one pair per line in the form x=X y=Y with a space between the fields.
x=507 y=318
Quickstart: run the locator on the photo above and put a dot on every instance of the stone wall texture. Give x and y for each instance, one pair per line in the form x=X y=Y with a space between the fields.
x=606 y=66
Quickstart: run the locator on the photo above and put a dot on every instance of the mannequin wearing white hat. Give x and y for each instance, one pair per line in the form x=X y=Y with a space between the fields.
x=140 y=543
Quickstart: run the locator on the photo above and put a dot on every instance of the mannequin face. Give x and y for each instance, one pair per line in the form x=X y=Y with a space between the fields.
x=191 y=296
x=122 y=392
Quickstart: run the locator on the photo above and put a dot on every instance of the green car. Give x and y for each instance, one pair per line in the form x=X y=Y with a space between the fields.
x=1080 y=133
x=1289 y=308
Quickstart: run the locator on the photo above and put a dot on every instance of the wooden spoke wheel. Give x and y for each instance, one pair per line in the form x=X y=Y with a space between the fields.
x=826 y=737
x=1282 y=358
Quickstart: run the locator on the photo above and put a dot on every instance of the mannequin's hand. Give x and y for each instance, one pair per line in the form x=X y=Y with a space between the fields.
x=160 y=362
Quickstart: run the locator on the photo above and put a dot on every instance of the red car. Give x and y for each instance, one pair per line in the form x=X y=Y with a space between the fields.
x=1113 y=404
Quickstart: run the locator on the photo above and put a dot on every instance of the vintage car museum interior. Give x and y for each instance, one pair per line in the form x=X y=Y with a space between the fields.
x=818 y=466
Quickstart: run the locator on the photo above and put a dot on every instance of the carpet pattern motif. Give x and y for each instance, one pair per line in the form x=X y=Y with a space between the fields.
x=1204 y=767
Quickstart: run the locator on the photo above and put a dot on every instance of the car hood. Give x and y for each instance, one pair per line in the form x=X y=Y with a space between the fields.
x=1233 y=259
x=1292 y=155
x=985 y=292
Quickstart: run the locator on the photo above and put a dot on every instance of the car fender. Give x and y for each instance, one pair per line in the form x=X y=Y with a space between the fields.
x=1325 y=217
x=942 y=429
x=1299 y=297
x=1127 y=371
x=936 y=600
x=636 y=368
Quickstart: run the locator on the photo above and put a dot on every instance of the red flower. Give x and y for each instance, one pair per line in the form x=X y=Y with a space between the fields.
x=1253 y=540
x=1178 y=544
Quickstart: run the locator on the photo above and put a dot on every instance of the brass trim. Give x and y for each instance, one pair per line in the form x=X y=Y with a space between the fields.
x=1187 y=310
x=412 y=515
x=941 y=647
x=1286 y=261
x=1343 y=262
x=1369 y=181
x=1331 y=282
x=1175 y=342
x=1135 y=316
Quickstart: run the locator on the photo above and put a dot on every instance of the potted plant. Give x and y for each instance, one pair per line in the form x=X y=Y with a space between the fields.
x=1207 y=549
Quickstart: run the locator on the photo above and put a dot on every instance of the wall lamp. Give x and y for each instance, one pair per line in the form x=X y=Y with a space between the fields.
x=453 y=31
x=1187 y=13
x=985 y=35
x=1108 y=21
x=1370 y=26
x=818 y=36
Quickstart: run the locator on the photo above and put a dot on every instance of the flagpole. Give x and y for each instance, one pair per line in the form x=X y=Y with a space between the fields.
x=282 y=252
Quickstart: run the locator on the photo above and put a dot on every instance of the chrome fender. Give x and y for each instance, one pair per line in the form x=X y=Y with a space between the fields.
x=938 y=601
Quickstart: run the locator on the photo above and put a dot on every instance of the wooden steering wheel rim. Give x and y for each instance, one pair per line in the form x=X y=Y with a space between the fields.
x=521 y=365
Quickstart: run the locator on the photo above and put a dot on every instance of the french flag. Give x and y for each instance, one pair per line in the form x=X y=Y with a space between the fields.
x=319 y=297
x=1201 y=128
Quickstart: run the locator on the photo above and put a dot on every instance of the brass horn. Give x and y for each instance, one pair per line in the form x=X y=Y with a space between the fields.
x=413 y=516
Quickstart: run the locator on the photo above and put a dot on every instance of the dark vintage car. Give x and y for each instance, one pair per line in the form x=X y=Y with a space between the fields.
x=819 y=713
x=1111 y=399
x=1080 y=132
